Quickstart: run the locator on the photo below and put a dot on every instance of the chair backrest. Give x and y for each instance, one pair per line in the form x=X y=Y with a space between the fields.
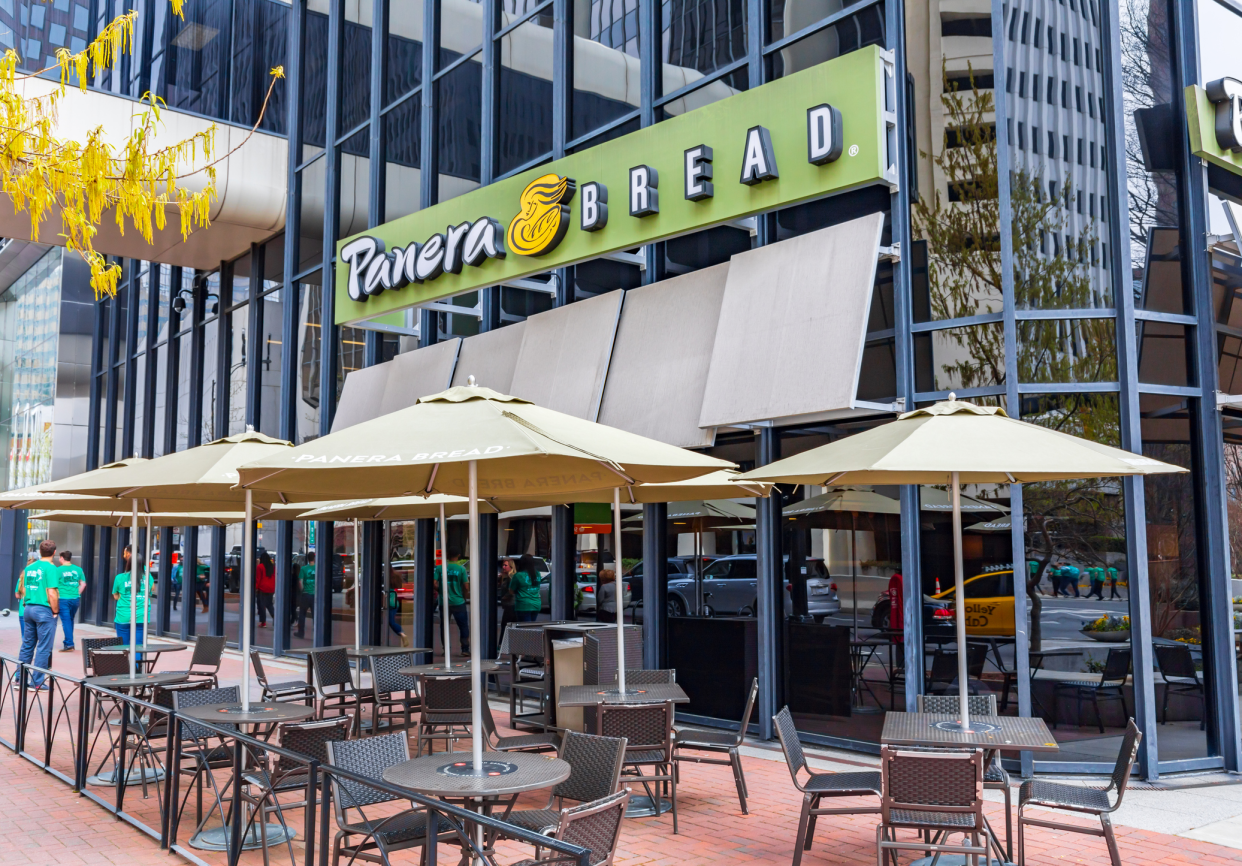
x=524 y=641
x=748 y=711
x=446 y=694
x=1125 y=760
x=163 y=697
x=92 y=644
x=368 y=757
x=944 y=663
x=595 y=826
x=787 y=733
x=656 y=677
x=107 y=663
x=202 y=698
x=208 y=651
x=311 y=739
x=932 y=781
x=979 y=705
x=332 y=669
x=594 y=766
x=386 y=679
x=1116 y=666
x=1176 y=661
x=259 y=673
x=646 y=727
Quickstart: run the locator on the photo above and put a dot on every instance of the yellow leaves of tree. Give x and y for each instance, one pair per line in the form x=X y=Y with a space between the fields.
x=42 y=173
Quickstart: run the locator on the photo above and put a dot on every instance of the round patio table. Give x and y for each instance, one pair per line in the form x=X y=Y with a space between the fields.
x=456 y=669
x=153 y=650
x=124 y=682
x=232 y=713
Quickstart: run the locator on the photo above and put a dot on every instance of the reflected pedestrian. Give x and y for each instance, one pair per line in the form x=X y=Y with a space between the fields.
x=39 y=589
x=1096 y=575
x=458 y=595
x=606 y=596
x=525 y=587
x=306 y=585
x=128 y=593
x=265 y=587
x=72 y=585
x=1112 y=584
x=504 y=592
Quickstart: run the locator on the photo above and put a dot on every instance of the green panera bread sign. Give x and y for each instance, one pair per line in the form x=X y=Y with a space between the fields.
x=1214 y=118
x=818 y=131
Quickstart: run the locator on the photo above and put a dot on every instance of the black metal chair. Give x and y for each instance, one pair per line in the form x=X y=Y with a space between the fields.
x=526 y=650
x=263 y=786
x=446 y=712
x=396 y=694
x=648 y=732
x=109 y=663
x=1110 y=686
x=936 y=793
x=205 y=756
x=519 y=742
x=1181 y=677
x=942 y=678
x=1081 y=800
x=820 y=785
x=654 y=677
x=718 y=742
x=595 y=826
x=290 y=691
x=994 y=776
x=205 y=662
x=594 y=774
x=334 y=686
x=94 y=644
x=380 y=836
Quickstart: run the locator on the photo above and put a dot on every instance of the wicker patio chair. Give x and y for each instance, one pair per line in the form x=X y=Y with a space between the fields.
x=820 y=785
x=719 y=742
x=994 y=776
x=290 y=691
x=1110 y=686
x=595 y=826
x=334 y=686
x=446 y=712
x=396 y=694
x=205 y=756
x=648 y=732
x=109 y=663
x=205 y=662
x=594 y=774
x=263 y=786
x=1082 y=800
x=548 y=742
x=655 y=677
x=94 y=644
x=938 y=794
x=1181 y=677
x=527 y=675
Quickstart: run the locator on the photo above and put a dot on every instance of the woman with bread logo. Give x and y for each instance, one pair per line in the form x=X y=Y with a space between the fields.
x=544 y=218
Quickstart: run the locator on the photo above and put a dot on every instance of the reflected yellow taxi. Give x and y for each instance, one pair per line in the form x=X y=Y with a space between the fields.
x=989 y=605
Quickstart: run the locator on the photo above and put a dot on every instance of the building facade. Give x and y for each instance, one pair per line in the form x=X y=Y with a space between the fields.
x=1051 y=232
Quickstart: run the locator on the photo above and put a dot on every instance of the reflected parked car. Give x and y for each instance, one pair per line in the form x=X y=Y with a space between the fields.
x=729 y=588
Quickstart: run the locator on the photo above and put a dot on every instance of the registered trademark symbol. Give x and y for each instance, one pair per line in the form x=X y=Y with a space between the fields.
x=853 y=150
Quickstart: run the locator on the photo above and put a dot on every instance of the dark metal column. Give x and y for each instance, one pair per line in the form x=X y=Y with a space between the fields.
x=254 y=332
x=323 y=583
x=328 y=343
x=92 y=602
x=422 y=630
x=163 y=608
x=215 y=589
x=286 y=594
x=489 y=551
x=561 y=591
x=429 y=141
x=371 y=562
x=770 y=592
x=148 y=433
x=655 y=585
x=129 y=441
x=650 y=32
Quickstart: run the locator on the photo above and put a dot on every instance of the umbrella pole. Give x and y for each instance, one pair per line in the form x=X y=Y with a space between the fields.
x=357 y=594
x=247 y=596
x=146 y=589
x=444 y=612
x=476 y=678
x=963 y=687
x=616 y=587
x=133 y=594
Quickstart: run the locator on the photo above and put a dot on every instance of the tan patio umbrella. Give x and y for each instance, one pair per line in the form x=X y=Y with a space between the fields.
x=474 y=441
x=712 y=486
x=957 y=443
x=206 y=474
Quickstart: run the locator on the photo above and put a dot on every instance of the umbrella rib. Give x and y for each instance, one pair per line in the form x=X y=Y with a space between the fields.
x=432 y=480
x=609 y=464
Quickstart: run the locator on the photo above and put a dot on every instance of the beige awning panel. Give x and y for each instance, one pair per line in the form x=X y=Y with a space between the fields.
x=361 y=397
x=416 y=374
x=790 y=338
x=490 y=357
x=660 y=360
x=564 y=356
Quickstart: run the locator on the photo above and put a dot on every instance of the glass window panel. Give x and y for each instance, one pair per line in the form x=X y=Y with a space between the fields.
x=1067 y=350
x=460 y=97
x=607 y=71
x=525 y=93
x=314 y=185
x=958 y=358
x=123 y=297
x=140 y=390
x=309 y=333
x=184 y=393
x=403 y=177
x=239 y=290
x=260 y=42
x=160 y=358
x=861 y=29
x=354 y=197
x=701 y=36
x=274 y=262
x=232 y=586
x=302 y=633
x=405 y=49
x=144 y=305
x=1164 y=353
x=270 y=393
x=877 y=376
x=314 y=83
x=212 y=411
x=265 y=598
x=351 y=352
x=161 y=327
x=195 y=55
x=344 y=585
x=356 y=68
x=238 y=348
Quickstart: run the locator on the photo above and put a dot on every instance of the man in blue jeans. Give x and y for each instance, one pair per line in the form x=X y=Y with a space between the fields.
x=72 y=583
x=39 y=589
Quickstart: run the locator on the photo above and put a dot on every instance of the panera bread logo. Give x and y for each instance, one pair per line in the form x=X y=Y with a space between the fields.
x=422 y=456
x=544 y=219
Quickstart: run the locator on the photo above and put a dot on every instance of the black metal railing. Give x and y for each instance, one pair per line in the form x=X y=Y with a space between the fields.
x=92 y=737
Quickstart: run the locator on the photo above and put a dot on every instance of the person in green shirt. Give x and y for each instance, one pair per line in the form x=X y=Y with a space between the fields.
x=72 y=582
x=124 y=590
x=458 y=593
x=1095 y=574
x=1112 y=584
x=306 y=592
x=524 y=584
x=39 y=589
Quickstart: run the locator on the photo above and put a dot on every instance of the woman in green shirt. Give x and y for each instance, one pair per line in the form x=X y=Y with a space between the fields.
x=524 y=584
x=123 y=591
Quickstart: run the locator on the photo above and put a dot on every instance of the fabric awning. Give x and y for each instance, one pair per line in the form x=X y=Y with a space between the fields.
x=565 y=353
x=792 y=324
x=489 y=357
x=361 y=397
x=660 y=358
x=417 y=374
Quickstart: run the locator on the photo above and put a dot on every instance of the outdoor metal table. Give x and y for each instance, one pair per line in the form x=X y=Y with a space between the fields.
x=232 y=713
x=1006 y=733
x=861 y=653
x=456 y=669
x=450 y=776
x=150 y=652
x=353 y=652
x=124 y=682
x=593 y=696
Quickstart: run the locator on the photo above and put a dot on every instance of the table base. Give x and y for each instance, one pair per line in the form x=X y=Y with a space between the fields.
x=644 y=807
x=959 y=860
x=134 y=777
x=975 y=727
x=217 y=838
x=867 y=710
